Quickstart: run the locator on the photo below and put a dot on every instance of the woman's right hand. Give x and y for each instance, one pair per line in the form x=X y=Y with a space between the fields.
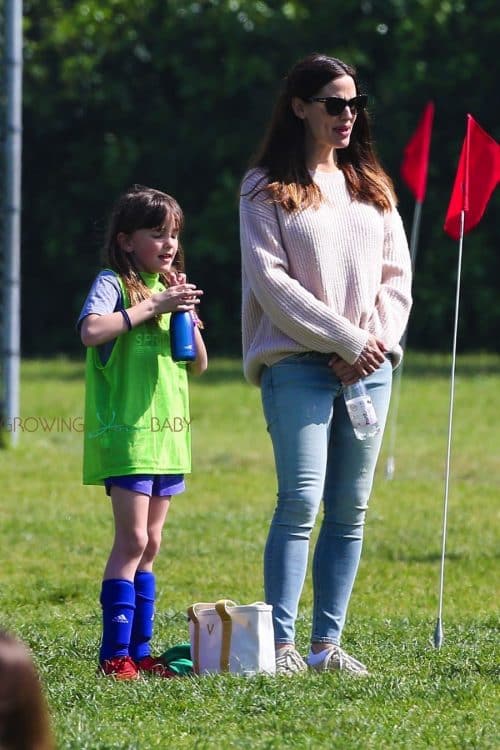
x=372 y=356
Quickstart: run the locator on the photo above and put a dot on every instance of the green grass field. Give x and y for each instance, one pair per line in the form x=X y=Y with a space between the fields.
x=56 y=536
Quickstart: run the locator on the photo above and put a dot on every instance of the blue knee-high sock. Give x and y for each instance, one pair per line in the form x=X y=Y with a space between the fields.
x=118 y=605
x=142 y=630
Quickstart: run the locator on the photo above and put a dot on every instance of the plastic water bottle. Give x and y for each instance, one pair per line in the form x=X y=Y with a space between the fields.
x=182 y=341
x=361 y=410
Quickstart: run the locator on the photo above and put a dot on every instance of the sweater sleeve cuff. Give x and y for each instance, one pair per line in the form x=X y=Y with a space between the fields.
x=350 y=353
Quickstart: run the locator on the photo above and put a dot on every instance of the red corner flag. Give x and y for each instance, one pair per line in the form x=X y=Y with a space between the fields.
x=416 y=155
x=478 y=174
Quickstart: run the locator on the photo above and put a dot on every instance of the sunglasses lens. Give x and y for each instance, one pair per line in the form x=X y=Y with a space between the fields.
x=335 y=106
x=360 y=102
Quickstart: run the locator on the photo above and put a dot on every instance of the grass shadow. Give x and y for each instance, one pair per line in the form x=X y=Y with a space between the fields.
x=230 y=369
x=55 y=368
x=423 y=365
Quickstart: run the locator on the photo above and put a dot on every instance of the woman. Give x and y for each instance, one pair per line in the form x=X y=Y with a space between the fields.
x=326 y=296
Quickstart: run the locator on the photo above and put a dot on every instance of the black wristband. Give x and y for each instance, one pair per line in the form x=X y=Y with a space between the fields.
x=126 y=319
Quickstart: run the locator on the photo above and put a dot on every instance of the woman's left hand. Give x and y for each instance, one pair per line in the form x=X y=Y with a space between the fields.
x=346 y=373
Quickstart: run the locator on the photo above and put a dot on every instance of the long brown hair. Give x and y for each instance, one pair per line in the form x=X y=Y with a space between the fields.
x=140 y=207
x=24 y=718
x=282 y=152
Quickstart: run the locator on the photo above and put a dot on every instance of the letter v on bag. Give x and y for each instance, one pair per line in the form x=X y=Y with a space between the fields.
x=210 y=628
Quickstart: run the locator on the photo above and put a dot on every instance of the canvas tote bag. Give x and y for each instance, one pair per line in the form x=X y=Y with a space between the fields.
x=227 y=637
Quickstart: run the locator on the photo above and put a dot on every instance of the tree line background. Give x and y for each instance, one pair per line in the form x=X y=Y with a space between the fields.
x=176 y=95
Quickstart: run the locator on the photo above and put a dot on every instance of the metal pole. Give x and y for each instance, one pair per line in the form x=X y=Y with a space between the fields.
x=415 y=232
x=12 y=211
x=396 y=384
x=438 y=632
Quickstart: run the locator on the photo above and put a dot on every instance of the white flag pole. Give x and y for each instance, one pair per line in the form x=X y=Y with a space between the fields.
x=438 y=632
x=396 y=383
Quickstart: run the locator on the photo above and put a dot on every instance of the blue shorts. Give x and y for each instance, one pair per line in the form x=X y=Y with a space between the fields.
x=159 y=485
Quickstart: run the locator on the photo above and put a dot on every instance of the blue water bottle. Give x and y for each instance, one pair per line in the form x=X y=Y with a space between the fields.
x=182 y=341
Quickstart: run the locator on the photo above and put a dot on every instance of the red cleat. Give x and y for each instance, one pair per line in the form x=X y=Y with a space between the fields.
x=120 y=667
x=154 y=666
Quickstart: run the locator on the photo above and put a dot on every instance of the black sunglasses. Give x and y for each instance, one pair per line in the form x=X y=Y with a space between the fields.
x=334 y=105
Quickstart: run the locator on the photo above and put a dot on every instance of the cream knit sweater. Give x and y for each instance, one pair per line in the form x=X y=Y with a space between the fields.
x=320 y=279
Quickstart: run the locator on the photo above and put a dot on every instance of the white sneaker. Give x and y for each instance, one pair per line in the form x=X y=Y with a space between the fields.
x=337 y=659
x=289 y=661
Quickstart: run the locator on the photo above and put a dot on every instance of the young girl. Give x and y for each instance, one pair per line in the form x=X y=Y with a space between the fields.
x=137 y=439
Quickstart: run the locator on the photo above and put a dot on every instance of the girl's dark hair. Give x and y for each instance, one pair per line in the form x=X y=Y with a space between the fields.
x=24 y=717
x=282 y=152
x=140 y=207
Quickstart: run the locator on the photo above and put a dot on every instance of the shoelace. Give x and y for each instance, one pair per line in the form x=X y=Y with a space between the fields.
x=289 y=658
x=344 y=660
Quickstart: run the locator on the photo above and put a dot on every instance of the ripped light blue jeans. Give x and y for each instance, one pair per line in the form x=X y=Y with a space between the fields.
x=317 y=457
